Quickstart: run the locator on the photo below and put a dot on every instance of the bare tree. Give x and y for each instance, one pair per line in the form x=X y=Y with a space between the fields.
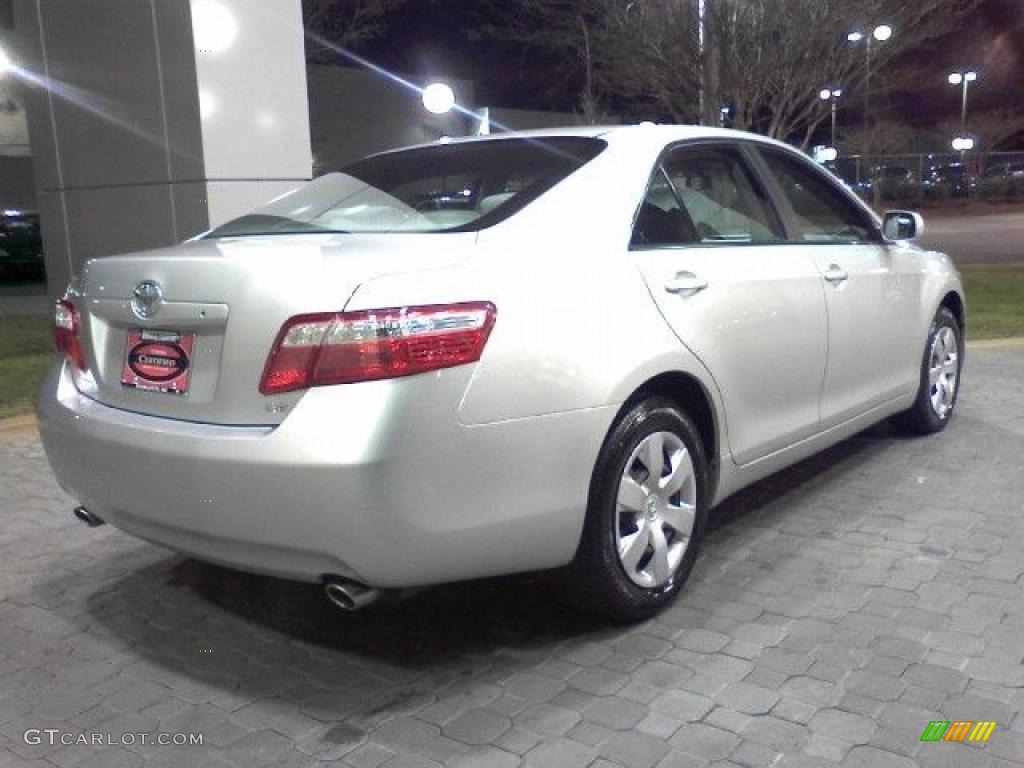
x=343 y=23
x=766 y=59
x=566 y=27
x=879 y=137
x=992 y=128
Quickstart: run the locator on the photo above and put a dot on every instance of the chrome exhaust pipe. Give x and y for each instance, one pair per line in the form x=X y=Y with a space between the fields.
x=87 y=517
x=350 y=595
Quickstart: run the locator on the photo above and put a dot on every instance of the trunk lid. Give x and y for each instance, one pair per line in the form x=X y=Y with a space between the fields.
x=229 y=297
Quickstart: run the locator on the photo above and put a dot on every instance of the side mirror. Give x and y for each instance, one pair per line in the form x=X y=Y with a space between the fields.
x=902 y=225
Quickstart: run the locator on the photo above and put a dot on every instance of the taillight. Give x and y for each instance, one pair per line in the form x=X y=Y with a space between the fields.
x=346 y=347
x=65 y=333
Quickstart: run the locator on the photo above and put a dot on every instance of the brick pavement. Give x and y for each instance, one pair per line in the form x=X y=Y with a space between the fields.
x=837 y=608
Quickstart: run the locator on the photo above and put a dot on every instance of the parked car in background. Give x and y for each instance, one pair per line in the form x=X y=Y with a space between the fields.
x=21 y=246
x=551 y=350
x=1006 y=170
x=955 y=177
x=893 y=173
x=889 y=177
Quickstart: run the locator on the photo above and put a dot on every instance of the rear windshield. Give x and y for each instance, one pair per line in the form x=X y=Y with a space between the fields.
x=444 y=188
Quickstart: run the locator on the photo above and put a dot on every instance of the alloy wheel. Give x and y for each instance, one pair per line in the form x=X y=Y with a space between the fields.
x=943 y=370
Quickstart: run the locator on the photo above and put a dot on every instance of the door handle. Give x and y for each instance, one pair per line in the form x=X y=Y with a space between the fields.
x=835 y=274
x=685 y=282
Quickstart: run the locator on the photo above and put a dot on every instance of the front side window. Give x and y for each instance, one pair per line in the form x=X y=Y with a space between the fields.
x=824 y=214
x=705 y=196
x=445 y=188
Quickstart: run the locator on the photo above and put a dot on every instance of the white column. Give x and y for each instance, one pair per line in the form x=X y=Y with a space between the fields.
x=152 y=120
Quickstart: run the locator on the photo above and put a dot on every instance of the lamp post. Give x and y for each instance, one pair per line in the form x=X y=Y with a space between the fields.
x=965 y=79
x=832 y=94
x=881 y=33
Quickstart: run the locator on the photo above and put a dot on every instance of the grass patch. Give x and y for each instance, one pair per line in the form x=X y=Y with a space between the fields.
x=26 y=351
x=995 y=300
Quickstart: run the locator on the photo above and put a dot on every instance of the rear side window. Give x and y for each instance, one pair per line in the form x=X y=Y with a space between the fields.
x=823 y=213
x=444 y=188
x=703 y=196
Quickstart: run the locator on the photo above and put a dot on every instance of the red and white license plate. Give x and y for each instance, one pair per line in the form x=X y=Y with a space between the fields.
x=158 y=361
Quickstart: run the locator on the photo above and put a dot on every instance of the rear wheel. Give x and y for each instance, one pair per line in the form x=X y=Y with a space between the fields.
x=940 y=378
x=646 y=514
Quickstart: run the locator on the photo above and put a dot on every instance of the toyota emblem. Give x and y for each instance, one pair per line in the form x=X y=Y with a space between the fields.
x=146 y=298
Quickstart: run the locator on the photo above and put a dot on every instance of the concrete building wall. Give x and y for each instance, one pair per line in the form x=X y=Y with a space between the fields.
x=529 y=119
x=356 y=112
x=152 y=120
x=17 y=185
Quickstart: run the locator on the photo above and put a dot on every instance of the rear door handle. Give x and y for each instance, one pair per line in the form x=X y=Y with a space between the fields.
x=685 y=282
x=835 y=274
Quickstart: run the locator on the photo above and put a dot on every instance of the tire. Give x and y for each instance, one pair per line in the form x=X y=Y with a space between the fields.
x=936 y=397
x=601 y=580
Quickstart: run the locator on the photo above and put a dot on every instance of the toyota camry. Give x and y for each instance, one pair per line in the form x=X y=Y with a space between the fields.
x=556 y=350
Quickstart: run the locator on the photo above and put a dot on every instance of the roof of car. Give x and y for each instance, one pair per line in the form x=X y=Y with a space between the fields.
x=663 y=133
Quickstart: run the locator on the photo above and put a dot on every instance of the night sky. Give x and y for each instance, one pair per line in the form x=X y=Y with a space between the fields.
x=993 y=44
x=434 y=37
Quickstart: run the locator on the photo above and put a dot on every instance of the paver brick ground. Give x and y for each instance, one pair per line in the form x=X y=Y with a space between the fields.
x=837 y=608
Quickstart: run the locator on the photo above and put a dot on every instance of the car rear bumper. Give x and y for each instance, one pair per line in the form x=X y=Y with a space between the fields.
x=378 y=482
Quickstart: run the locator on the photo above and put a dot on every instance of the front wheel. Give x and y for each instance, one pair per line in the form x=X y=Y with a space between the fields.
x=645 y=516
x=940 y=378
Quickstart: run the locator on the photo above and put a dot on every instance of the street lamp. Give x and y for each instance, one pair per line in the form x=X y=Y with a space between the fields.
x=832 y=94
x=438 y=98
x=881 y=33
x=965 y=79
x=963 y=144
x=825 y=155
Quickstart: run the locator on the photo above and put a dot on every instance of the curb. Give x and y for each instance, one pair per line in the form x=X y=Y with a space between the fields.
x=18 y=427
x=1009 y=341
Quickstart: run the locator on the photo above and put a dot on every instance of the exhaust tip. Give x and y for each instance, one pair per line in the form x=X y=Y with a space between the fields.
x=339 y=596
x=87 y=517
x=349 y=595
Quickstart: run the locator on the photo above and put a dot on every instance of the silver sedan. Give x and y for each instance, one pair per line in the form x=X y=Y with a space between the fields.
x=549 y=350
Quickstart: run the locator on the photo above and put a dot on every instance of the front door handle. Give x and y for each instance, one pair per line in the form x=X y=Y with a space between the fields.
x=685 y=282
x=835 y=274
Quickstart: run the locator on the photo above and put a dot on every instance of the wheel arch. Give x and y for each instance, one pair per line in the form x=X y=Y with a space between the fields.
x=692 y=397
x=954 y=302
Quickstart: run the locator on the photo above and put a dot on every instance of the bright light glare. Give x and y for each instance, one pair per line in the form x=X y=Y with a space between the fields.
x=855 y=37
x=207 y=105
x=214 y=27
x=825 y=154
x=963 y=143
x=883 y=32
x=971 y=76
x=956 y=78
x=438 y=98
x=5 y=61
x=825 y=94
